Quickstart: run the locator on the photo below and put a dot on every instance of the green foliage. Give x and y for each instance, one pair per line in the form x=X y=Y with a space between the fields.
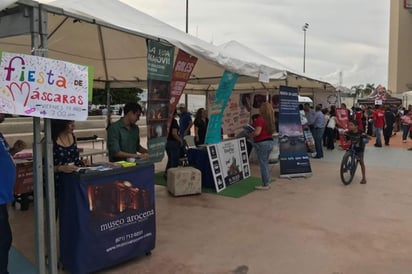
x=117 y=96
x=361 y=90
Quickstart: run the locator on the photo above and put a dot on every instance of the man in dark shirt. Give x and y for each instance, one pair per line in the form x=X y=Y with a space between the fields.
x=185 y=121
x=388 y=128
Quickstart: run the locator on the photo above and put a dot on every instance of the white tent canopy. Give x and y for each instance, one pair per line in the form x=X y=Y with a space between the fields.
x=88 y=33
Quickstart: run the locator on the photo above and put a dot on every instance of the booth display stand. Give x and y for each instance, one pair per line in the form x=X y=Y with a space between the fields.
x=106 y=217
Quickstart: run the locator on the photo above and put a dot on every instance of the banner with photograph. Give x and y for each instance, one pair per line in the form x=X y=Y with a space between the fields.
x=213 y=133
x=293 y=157
x=106 y=219
x=159 y=73
x=229 y=162
x=43 y=87
x=184 y=65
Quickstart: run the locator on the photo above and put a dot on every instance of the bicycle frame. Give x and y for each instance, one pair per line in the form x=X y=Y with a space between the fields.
x=349 y=165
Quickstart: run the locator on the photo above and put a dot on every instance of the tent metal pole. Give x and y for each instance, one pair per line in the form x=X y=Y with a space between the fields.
x=37 y=164
x=107 y=88
x=51 y=236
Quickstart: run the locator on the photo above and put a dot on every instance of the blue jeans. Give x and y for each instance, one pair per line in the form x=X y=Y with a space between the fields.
x=405 y=131
x=173 y=154
x=378 y=134
x=318 y=136
x=5 y=239
x=263 y=150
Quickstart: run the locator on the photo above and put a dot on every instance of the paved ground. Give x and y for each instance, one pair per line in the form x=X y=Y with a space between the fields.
x=313 y=225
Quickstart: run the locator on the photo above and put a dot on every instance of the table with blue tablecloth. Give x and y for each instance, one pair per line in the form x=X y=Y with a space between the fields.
x=199 y=159
x=106 y=217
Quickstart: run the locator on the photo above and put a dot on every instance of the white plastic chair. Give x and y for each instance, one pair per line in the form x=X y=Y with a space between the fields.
x=190 y=141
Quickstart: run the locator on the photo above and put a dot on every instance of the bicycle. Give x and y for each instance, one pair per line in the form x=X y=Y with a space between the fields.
x=349 y=164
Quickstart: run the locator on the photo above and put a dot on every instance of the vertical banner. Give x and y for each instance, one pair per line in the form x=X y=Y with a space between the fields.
x=342 y=117
x=229 y=162
x=223 y=93
x=42 y=87
x=182 y=70
x=159 y=74
x=293 y=157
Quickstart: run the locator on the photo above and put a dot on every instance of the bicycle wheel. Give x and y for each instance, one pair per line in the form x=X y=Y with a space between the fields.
x=347 y=168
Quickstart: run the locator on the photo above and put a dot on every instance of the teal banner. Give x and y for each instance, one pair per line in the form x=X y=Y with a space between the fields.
x=228 y=81
x=159 y=72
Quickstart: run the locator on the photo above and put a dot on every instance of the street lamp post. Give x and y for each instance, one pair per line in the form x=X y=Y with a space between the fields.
x=304 y=28
x=187 y=16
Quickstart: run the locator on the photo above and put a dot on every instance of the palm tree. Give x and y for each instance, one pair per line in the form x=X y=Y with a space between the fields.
x=368 y=89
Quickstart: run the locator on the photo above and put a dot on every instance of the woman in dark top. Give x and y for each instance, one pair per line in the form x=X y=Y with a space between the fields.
x=173 y=144
x=65 y=153
x=201 y=122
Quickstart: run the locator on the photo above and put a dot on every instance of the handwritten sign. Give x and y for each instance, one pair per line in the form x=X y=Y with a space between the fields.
x=42 y=87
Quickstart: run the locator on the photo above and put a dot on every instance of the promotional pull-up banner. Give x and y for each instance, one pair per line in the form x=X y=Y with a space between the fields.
x=42 y=87
x=159 y=74
x=293 y=157
x=342 y=117
x=213 y=133
x=182 y=70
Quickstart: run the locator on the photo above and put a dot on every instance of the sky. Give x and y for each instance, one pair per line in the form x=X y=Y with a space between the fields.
x=350 y=36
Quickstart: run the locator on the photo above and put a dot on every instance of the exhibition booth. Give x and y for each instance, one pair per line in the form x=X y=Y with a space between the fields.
x=106 y=212
x=109 y=46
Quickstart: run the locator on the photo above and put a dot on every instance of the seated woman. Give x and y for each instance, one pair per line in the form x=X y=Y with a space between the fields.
x=65 y=152
x=201 y=122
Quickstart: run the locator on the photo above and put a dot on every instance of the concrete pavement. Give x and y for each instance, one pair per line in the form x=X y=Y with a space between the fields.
x=302 y=225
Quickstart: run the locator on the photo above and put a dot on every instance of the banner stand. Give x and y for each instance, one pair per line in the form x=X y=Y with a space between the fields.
x=293 y=156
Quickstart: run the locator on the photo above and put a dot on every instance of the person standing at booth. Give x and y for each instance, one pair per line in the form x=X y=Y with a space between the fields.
x=123 y=136
x=263 y=141
x=8 y=177
x=185 y=121
x=201 y=123
x=173 y=145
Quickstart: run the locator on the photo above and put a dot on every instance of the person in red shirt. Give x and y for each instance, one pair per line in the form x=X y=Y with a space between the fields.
x=378 y=122
x=263 y=141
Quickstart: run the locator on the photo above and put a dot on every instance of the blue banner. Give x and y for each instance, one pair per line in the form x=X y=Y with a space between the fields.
x=293 y=157
x=106 y=217
x=228 y=81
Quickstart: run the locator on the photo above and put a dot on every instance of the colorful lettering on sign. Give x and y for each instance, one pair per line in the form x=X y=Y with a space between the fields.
x=33 y=76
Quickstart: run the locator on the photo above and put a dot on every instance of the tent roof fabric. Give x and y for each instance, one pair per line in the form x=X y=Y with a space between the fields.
x=86 y=32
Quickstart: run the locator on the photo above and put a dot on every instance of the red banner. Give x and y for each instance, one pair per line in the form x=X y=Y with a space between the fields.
x=182 y=70
x=342 y=117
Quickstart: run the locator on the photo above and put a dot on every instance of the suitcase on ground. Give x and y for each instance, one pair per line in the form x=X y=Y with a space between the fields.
x=184 y=181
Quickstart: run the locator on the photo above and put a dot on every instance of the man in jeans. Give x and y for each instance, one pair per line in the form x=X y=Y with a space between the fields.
x=7 y=179
x=378 y=123
x=318 y=129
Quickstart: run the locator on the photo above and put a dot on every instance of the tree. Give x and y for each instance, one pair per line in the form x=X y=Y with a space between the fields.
x=117 y=96
x=361 y=91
